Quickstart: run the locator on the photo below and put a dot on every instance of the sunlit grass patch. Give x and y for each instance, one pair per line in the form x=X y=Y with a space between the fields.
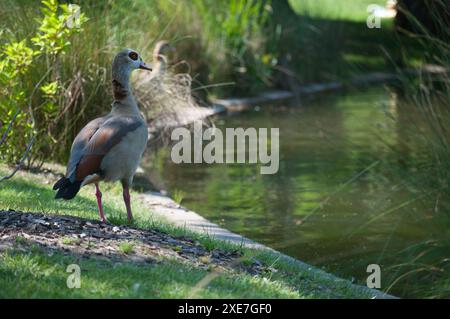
x=126 y=247
x=70 y=240
x=355 y=10
x=37 y=275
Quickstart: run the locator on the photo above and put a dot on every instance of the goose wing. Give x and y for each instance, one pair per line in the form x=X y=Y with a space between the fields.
x=95 y=141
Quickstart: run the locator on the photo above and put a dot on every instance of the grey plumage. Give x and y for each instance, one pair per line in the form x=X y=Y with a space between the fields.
x=109 y=148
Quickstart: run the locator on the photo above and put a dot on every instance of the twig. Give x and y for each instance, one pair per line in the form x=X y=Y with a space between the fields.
x=19 y=165
x=9 y=126
x=30 y=106
x=30 y=110
x=213 y=85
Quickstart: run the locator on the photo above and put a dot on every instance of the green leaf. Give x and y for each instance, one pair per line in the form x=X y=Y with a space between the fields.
x=50 y=89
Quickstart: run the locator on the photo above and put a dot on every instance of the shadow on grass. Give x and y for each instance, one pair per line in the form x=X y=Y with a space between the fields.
x=19 y=194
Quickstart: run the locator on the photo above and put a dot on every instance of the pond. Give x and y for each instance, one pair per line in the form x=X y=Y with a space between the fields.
x=338 y=200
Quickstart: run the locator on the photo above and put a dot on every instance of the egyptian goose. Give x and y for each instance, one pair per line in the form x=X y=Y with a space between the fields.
x=109 y=148
x=160 y=57
x=159 y=64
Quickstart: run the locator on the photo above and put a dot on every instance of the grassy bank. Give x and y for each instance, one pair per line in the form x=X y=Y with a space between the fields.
x=29 y=270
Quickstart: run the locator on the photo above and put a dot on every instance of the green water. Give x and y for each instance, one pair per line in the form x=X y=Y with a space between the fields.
x=338 y=200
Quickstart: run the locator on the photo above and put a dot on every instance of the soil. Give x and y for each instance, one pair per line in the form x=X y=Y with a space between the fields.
x=94 y=239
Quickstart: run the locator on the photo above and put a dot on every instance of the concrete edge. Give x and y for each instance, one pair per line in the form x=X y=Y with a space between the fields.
x=165 y=208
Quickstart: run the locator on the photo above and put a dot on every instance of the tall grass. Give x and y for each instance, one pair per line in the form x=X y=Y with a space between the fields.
x=217 y=42
x=429 y=96
x=426 y=168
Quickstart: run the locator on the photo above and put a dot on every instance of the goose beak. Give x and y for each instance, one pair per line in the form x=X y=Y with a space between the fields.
x=144 y=66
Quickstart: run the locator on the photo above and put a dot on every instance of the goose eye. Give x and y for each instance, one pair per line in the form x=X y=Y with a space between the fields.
x=133 y=56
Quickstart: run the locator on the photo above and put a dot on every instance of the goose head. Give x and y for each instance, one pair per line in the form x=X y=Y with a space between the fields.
x=125 y=62
x=162 y=48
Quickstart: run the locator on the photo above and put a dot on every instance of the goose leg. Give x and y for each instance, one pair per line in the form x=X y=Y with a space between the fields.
x=98 y=194
x=126 y=199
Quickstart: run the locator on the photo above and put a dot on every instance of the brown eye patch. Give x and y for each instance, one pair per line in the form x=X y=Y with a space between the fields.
x=133 y=56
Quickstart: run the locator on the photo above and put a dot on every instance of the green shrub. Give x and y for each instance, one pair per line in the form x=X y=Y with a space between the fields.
x=32 y=85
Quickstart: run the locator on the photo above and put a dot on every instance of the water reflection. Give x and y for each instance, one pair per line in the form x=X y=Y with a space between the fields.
x=334 y=202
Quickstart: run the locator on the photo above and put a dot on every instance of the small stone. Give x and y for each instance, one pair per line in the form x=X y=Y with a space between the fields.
x=116 y=229
x=82 y=235
x=172 y=241
x=205 y=259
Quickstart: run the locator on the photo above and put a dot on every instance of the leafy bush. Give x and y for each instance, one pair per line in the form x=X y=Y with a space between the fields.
x=31 y=103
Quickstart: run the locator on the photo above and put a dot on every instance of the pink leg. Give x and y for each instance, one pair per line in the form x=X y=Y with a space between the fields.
x=126 y=199
x=98 y=194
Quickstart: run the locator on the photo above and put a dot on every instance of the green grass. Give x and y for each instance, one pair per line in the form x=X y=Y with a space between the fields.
x=355 y=10
x=70 y=240
x=34 y=273
x=20 y=240
x=178 y=196
x=126 y=247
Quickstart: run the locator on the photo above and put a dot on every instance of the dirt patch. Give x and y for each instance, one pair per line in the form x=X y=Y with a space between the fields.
x=89 y=238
